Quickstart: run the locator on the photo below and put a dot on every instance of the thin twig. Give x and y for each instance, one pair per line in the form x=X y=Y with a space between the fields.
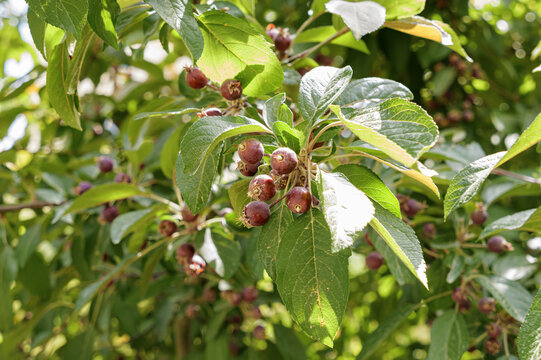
x=307 y=52
x=30 y=205
x=307 y=23
x=516 y=176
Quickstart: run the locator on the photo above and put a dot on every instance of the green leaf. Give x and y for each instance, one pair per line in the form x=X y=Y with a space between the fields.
x=397 y=9
x=322 y=33
x=58 y=85
x=347 y=210
x=312 y=280
x=530 y=137
x=76 y=61
x=448 y=337
x=288 y=343
x=271 y=235
x=291 y=138
x=367 y=181
x=81 y=347
x=179 y=15
x=195 y=188
x=399 y=128
x=319 y=88
x=372 y=91
x=529 y=336
x=124 y=223
x=160 y=114
x=102 y=194
x=384 y=330
x=400 y=271
x=169 y=153
x=233 y=49
x=28 y=243
x=207 y=132
x=457 y=47
x=149 y=268
x=468 y=181
x=102 y=16
x=69 y=15
x=220 y=250
x=8 y=273
x=443 y=80
x=272 y=111
x=37 y=29
x=528 y=220
x=238 y=195
x=361 y=17
x=402 y=240
x=457 y=266
x=511 y=295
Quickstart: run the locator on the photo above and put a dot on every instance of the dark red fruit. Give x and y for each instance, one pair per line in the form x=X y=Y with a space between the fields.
x=493 y=330
x=195 y=266
x=454 y=116
x=122 y=178
x=497 y=244
x=235 y=298
x=259 y=332
x=282 y=41
x=247 y=169
x=367 y=239
x=250 y=294
x=191 y=311
x=255 y=313
x=234 y=349
x=185 y=253
x=283 y=160
x=486 y=305
x=429 y=230
x=262 y=188
x=167 y=228
x=231 y=89
x=109 y=213
x=256 y=213
x=105 y=164
x=299 y=200
x=82 y=188
x=464 y=306
x=468 y=115
x=410 y=207
x=459 y=294
x=479 y=216
x=492 y=346
x=209 y=295
x=187 y=215
x=212 y=112
x=195 y=78
x=374 y=260
x=251 y=151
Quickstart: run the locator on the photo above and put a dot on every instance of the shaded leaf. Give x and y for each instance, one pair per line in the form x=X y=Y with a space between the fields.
x=123 y=223
x=529 y=336
x=238 y=195
x=220 y=250
x=322 y=33
x=105 y=193
x=448 y=337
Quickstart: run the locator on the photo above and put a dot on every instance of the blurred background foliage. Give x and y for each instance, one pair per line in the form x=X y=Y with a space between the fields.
x=482 y=107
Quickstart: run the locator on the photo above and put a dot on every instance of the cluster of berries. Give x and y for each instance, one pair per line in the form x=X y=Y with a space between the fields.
x=193 y=263
x=281 y=39
x=263 y=187
x=231 y=89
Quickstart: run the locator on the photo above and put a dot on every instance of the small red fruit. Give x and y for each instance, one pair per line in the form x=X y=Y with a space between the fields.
x=109 y=213
x=410 y=207
x=429 y=230
x=299 y=200
x=459 y=295
x=250 y=294
x=122 y=178
x=259 y=332
x=374 y=260
x=195 y=78
x=468 y=115
x=262 y=188
x=367 y=239
x=209 y=295
x=255 y=313
x=283 y=160
x=191 y=311
x=272 y=31
x=231 y=89
x=251 y=151
x=196 y=266
x=234 y=349
x=82 y=188
x=167 y=228
x=235 y=299
x=185 y=253
x=247 y=169
x=105 y=164
x=479 y=216
x=454 y=116
x=187 y=215
x=256 y=213
x=282 y=41
x=492 y=346
x=486 y=305
x=497 y=244
x=464 y=306
x=493 y=330
x=212 y=112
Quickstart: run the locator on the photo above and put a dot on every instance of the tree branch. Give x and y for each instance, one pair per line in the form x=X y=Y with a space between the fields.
x=30 y=205
x=307 y=52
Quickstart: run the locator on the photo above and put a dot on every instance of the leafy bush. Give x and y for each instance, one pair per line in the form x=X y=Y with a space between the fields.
x=195 y=183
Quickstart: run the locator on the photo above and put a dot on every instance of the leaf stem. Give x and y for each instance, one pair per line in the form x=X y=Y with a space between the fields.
x=314 y=140
x=306 y=23
x=30 y=205
x=516 y=176
x=307 y=52
x=165 y=201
